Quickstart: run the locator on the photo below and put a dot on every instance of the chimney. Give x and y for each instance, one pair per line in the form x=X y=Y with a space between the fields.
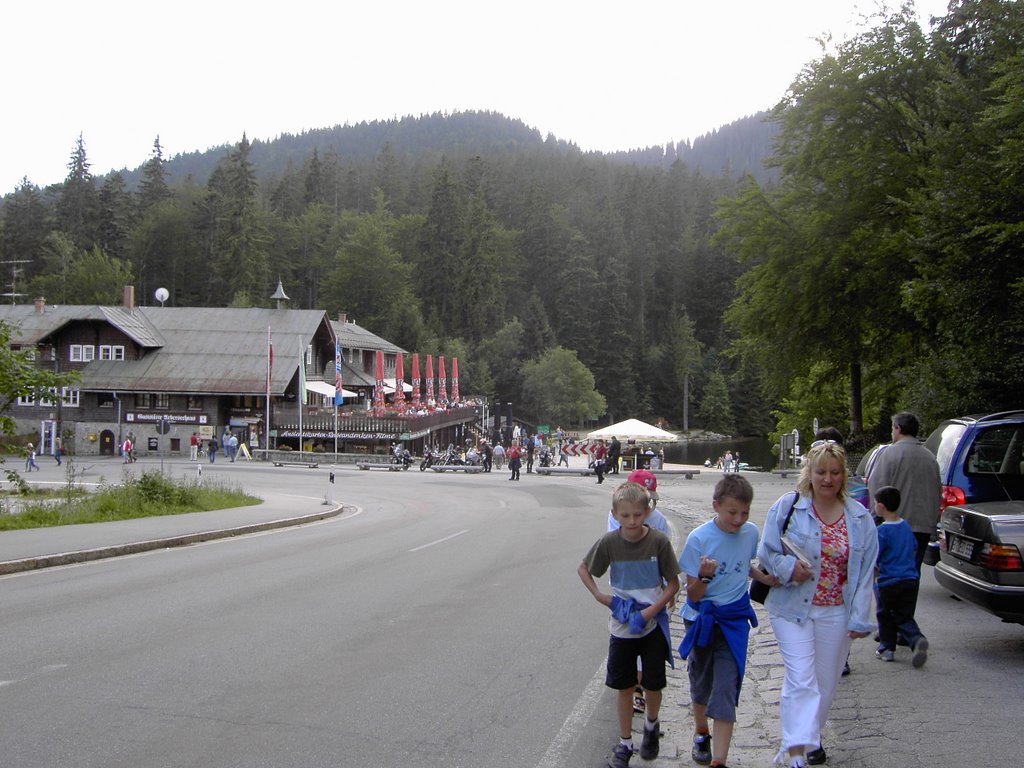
x=343 y=317
x=129 y=297
x=40 y=305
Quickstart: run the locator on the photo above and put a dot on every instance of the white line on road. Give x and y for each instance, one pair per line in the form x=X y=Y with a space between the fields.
x=439 y=541
x=572 y=728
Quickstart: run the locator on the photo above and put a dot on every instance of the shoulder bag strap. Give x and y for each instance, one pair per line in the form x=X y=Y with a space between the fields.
x=792 y=505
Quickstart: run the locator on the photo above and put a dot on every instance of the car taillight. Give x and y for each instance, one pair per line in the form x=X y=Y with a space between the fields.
x=951 y=497
x=1000 y=557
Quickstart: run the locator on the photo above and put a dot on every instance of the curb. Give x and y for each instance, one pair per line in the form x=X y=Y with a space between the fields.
x=119 y=550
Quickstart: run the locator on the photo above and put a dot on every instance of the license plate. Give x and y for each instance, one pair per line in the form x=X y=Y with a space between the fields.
x=961 y=547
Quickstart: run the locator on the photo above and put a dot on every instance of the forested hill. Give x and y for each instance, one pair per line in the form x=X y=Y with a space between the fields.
x=731 y=150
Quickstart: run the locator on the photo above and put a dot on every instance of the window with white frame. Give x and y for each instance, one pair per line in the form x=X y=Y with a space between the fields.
x=27 y=399
x=309 y=354
x=69 y=397
x=111 y=352
x=82 y=353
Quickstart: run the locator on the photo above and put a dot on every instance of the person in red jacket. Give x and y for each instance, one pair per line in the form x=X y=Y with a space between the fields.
x=599 y=463
x=514 y=460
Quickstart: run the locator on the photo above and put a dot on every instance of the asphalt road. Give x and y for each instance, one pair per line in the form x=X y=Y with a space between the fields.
x=442 y=625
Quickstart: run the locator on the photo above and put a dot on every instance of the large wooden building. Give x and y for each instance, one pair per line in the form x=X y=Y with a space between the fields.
x=163 y=373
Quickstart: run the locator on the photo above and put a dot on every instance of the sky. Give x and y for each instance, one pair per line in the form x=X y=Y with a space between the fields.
x=604 y=75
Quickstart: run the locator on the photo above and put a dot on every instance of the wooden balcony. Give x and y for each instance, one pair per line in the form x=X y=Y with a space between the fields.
x=318 y=422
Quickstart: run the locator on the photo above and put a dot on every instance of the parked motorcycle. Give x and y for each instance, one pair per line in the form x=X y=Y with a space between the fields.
x=428 y=459
x=546 y=460
x=402 y=458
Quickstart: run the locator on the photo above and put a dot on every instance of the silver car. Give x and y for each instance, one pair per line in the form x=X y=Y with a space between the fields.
x=980 y=561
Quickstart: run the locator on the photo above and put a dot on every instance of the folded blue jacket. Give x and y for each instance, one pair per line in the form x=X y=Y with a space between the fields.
x=734 y=619
x=627 y=611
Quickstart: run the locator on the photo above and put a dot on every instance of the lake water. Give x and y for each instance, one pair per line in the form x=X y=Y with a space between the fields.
x=755 y=451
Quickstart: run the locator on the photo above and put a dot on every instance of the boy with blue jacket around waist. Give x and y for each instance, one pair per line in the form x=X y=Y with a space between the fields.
x=644 y=577
x=717 y=562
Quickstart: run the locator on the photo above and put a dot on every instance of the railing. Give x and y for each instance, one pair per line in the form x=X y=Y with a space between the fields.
x=361 y=424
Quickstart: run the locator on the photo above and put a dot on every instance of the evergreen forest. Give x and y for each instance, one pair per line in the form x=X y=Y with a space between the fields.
x=853 y=252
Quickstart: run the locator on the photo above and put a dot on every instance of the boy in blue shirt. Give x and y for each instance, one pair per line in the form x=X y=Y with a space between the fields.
x=898 y=581
x=644 y=577
x=717 y=562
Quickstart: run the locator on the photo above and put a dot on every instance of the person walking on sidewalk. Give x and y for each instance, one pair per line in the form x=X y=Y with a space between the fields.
x=898 y=581
x=30 y=459
x=825 y=564
x=717 y=560
x=644 y=578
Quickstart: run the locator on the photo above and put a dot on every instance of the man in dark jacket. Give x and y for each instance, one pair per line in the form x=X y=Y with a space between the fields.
x=614 y=452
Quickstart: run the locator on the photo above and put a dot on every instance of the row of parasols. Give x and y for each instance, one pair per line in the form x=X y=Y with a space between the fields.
x=416 y=399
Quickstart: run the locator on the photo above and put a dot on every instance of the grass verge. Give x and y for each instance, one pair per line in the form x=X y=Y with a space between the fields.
x=149 y=495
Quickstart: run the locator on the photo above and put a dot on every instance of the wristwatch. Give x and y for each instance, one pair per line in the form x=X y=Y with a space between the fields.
x=706 y=579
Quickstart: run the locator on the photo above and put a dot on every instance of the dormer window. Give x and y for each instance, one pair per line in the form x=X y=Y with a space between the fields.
x=111 y=352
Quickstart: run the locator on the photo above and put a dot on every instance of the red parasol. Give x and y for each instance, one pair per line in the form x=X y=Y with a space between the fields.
x=378 y=390
x=455 y=380
x=442 y=382
x=430 y=379
x=399 y=382
x=415 y=401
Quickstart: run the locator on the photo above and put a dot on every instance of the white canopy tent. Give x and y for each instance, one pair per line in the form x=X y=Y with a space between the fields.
x=634 y=429
x=327 y=390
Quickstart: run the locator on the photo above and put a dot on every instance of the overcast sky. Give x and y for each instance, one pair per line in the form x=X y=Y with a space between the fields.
x=604 y=75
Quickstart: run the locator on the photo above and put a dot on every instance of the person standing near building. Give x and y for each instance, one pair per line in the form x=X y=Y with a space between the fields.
x=193 y=447
x=912 y=468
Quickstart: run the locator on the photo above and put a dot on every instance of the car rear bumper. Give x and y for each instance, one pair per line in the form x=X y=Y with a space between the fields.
x=1005 y=602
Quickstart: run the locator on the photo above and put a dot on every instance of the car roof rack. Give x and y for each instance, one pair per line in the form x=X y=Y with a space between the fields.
x=1000 y=415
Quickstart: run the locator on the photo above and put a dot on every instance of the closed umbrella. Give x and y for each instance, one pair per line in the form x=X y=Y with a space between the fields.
x=415 y=399
x=430 y=379
x=378 y=389
x=399 y=382
x=455 y=380
x=442 y=382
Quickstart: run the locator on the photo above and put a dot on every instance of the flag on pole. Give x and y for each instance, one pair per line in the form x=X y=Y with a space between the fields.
x=337 y=373
x=302 y=374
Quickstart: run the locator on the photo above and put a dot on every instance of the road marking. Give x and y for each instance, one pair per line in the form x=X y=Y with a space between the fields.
x=439 y=541
x=571 y=730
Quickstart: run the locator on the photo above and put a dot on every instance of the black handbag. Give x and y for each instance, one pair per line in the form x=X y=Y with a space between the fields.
x=759 y=591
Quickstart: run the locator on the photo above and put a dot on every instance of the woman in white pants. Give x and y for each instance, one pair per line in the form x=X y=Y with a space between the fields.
x=825 y=565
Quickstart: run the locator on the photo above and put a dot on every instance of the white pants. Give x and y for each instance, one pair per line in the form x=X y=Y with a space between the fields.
x=814 y=653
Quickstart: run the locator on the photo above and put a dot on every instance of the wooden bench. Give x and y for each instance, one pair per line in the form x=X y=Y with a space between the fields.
x=366 y=465
x=309 y=464
x=688 y=472
x=468 y=468
x=562 y=471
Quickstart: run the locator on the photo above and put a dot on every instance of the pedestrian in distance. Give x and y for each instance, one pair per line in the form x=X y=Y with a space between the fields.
x=614 y=452
x=644 y=578
x=717 y=562
x=563 y=457
x=598 y=463
x=825 y=564
x=499 y=456
x=514 y=460
x=530 y=448
x=212 y=450
x=58 y=450
x=30 y=459
x=898 y=581
x=193 y=447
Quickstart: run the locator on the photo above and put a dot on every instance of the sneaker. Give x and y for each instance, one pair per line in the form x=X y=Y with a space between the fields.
x=620 y=757
x=885 y=654
x=651 y=742
x=818 y=756
x=920 y=653
x=846 y=669
x=701 y=752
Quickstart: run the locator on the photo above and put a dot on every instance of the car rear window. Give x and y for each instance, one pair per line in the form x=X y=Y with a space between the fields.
x=943 y=442
x=996 y=451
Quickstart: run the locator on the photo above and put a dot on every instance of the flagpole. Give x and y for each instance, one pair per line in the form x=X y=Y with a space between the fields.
x=301 y=398
x=337 y=392
x=270 y=371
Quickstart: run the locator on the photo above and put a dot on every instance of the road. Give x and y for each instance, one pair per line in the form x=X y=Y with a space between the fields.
x=442 y=625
